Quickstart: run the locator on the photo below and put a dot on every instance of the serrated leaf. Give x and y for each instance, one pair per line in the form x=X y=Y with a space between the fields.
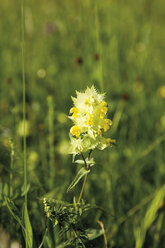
x=150 y=216
x=28 y=228
x=82 y=172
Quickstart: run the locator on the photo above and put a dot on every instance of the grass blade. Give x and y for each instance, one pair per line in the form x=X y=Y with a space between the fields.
x=29 y=232
x=150 y=216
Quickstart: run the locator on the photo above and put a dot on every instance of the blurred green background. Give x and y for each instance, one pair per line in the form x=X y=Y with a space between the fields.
x=119 y=46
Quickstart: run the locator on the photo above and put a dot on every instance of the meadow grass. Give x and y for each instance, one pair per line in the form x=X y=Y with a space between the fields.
x=119 y=47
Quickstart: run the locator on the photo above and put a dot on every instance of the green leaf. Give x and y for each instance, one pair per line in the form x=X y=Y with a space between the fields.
x=46 y=242
x=94 y=233
x=12 y=209
x=6 y=189
x=89 y=162
x=79 y=161
x=82 y=172
x=73 y=158
x=28 y=228
x=150 y=216
x=24 y=191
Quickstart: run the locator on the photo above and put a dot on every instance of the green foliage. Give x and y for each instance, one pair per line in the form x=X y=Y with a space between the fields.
x=119 y=46
x=15 y=213
x=69 y=218
x=149 y=217
x=81 y=173
x=28 y=228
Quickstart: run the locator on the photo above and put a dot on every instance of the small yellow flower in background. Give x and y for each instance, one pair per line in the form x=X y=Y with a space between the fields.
x=162 y=121
x=162 y=91
x=62 y=118
x=6 y=142
x=33 y=158
x=63 y=147
x=41 y=73
x=89 y=115
x=20 y=129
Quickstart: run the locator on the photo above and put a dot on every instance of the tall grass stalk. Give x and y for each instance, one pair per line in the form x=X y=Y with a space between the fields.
x=51 y=139
x=11 y=167
x=99 y=48
x=24 y=107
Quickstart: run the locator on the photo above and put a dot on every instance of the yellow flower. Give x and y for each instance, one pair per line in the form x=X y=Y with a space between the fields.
x=75 y=131
x=106 y=125
x=103 y=109
x=74 y=111
x=22 y=126
x=88 y=116
x=109 y=141
x=89 y=121
x=99 y=132
x=162 y=91
x=104 y=103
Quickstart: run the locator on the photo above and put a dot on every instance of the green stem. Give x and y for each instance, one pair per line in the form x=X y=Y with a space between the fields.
x=99 y=48
x=86 y=165
x=24 y=106
x=82 y=189
x=24 y=98
x=85 y=179
x=77 y=236
x=11 y=167
x=51 y=140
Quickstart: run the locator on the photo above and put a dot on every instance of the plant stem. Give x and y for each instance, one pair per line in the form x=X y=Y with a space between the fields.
x=24 y=108
x=51 y=140
x=24 y=97
x=102 y=228
x=85 y=179
x=86 y=165
x=11 y=167
x=98 y=48
x=76 y=236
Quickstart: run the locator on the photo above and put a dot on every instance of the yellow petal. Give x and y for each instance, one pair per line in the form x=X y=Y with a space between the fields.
x=89 y=120
x=75 y=131
x=74 y=111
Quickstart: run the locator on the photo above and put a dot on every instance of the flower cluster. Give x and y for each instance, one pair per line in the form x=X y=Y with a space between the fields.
x=89 y=115
x=47 y=208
